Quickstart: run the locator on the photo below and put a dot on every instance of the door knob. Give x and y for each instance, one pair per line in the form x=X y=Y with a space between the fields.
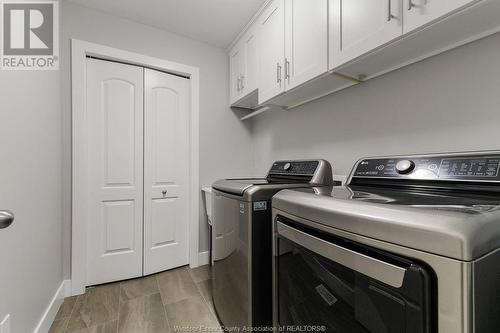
x=6 y=218
x=164 y=192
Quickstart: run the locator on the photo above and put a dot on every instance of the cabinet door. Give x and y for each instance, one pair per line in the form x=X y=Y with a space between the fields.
x=271 y=45
x=359 y=26
x=235 y=64
x=306 y=42
x=248 y=81
x=419 y=12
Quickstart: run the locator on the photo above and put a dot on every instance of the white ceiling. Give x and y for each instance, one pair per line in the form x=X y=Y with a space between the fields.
x=216 y=22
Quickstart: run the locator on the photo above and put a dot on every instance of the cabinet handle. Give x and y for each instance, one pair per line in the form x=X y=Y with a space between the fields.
x=389 y=11
x=422 y=4
x=242 y=82
x=287 y=70
x=238 y=84
x=278 y=73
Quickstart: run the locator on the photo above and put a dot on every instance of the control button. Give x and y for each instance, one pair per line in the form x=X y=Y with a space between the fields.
x=433 y=167
x=380 y=167
x=405 y=166
x=287 y=166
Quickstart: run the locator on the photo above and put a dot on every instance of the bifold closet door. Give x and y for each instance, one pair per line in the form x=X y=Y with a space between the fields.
x=166 y=171
x=115 y=171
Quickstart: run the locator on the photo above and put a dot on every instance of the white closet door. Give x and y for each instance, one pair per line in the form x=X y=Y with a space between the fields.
x=166 y=171
x=115 y=138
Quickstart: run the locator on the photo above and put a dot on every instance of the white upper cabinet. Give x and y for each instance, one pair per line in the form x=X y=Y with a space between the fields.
x=236 y=64
x=243 y=70
x=359 y=26
x=249 y=68
x=306 y=40
x=417 y=13
x=296 y=51
x=293 y=45
x=271 y=46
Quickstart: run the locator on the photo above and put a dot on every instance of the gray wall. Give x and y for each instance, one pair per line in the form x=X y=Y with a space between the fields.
x=450 y=102
x=219 y=156
x=30 y=186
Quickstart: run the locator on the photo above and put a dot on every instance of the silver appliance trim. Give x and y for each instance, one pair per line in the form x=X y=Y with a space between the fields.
x=231 y=186
x=374 y=268
x=452 y=234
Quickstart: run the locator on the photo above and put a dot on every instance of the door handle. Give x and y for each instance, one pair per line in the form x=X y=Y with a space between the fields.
x=6 y=218
x=376 y=269
x=411 y=4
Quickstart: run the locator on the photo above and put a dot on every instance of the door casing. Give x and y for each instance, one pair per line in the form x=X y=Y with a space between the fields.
x=80 y=50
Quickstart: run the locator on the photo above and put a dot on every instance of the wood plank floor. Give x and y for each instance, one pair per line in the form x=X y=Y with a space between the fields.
x=172 y=301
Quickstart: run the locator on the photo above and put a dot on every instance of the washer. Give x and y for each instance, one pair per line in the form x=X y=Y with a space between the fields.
x=411 y=244
x=242 y=227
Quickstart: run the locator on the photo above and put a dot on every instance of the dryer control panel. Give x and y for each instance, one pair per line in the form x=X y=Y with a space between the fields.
x=306 y=168
x=305 y=171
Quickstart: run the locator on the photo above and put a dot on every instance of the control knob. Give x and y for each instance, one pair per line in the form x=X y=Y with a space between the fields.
x=287 y=166
x=404 y=167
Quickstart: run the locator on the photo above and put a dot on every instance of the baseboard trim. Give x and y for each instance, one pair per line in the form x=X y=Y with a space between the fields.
x=67 y=288
x=5 y=324
x=203 y=258
x=51 y=310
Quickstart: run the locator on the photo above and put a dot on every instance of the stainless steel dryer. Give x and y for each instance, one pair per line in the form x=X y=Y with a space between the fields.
x=411 y=244
x=242 y=230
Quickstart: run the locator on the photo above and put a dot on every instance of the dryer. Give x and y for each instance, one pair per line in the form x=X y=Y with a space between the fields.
x=410 y=244
x=242 y=230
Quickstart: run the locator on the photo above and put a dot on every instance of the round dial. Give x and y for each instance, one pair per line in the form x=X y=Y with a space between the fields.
x=287 y=166
x=404 y=167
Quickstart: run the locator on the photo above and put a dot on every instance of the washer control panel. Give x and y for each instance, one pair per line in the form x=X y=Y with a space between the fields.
x=470 y=167
x=302 y=168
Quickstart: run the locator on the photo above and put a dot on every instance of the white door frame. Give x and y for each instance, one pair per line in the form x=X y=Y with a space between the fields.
x=79 y=51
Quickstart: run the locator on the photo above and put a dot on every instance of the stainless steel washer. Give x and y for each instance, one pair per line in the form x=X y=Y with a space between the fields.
x=242 y=227
x=411 y=244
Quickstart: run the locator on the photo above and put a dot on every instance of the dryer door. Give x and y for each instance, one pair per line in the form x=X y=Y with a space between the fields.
x=341 y=286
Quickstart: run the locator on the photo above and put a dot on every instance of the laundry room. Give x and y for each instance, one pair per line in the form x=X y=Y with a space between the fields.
x=251 y=165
